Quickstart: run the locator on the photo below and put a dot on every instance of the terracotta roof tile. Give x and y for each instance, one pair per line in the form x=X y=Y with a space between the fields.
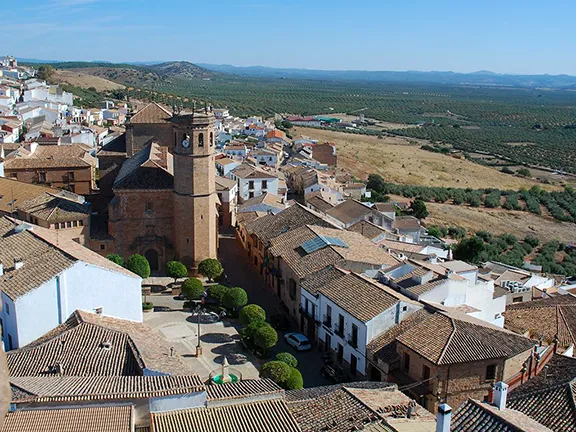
x=152 y=113
x=349 y=211
x=367 y=229
x=243 y=389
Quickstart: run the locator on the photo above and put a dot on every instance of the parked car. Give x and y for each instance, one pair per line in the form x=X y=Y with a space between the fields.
x=334 y=372
x=206 y=317
x=298 y=341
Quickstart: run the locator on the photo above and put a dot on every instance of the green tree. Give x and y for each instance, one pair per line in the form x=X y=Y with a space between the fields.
x=138 y=264
x=211 y=268
x=251 y=313
x=45 y=72
x=287 y=358
x=419 y=209
x=218 y=291
x=250 y=330
x=176 y=270
x=235 y=298
x=294 y=381
x=469 y=249
x=277 y=371
x=265 y=337
x=532 y=240
x=192 y=288
x=376 y=183
x=524 y=172
x=116 y=259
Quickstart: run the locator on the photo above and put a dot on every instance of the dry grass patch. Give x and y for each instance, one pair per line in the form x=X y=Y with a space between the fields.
x=83 y=80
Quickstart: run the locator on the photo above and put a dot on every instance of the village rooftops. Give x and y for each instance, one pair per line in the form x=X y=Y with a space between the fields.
x=92 y=345
x=225 y=161
x=150 y=168
x=406 y=223
x=152 y=113
x=246 y=171
x=460 y=338
x=224 y=184
x=311 y=248
x=264 y=203
x=115 y=147
x=43 y=255
x=349 y=211
x=85 y=419
x=52 y=207
x=276 y=133
x=64 y=156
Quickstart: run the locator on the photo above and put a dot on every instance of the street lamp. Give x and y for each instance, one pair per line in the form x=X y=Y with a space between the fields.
x=199 y=311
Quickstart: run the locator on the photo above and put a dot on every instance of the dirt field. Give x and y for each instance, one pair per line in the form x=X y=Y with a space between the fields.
x=83 y=80
x=399 y=162
x=500 y=221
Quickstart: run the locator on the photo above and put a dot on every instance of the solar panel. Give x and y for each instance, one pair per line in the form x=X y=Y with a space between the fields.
x=321 y=242
x=335 y=241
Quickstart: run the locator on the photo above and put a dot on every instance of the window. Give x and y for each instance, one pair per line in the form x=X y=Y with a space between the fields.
x=517 y=299
x=14 y=175
x=406 y=362
x=74 y=224
x=71 y=176
x=200 y=139
x=62 y=225
x=42 y=177
x=354 y=335
x=56 y=226
x=211 y=139
x=250 y=194
x=292 y=289
x=251 y=184
x=80 y=223
x=148 y=207
x=264 y=184
x=425 y=372
x=102 y=247
x=2 y=327
x=6 y=308
x=490 y=372
x=404 y=308
x=69 y=224
x=10 y=344
x=328 y=317
x=340 y=329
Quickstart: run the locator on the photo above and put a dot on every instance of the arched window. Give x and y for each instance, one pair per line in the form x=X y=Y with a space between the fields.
x=211 y=139
x=148 y=207
x=200 y=139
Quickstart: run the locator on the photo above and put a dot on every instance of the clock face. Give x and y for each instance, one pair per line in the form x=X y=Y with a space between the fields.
x=185 y=143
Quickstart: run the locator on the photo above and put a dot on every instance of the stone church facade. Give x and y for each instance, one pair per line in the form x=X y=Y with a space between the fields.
x=164 y=201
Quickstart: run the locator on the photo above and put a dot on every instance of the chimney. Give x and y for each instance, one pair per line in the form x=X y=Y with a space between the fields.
x=443 y=418
x=18 y=263
x=500 y=395
x=1 y=269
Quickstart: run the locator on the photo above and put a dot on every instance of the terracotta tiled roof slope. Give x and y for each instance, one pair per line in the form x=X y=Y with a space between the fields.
x=357 y=249
x=152 y=113
x=319 y=203
x=367 y=229
x=243 y=389
x=53 y=208
x=87 y=419
x=550 y=397
x=545 y=318
x=264 y=416
x=115 y=147
x=62 y=156
x=246 y=171
x=44 y=255
x=348 y=211
x=74 y=389
x=293 y=217
x=88 y=344
x=475 y=416
x=315 y=281
x=19 y=192
x=384 y=346
x=458 y=338
x=150 y=168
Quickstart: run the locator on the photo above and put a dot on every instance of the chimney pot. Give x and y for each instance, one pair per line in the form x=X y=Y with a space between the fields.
x=443 y=418
x=18 y=263
x=500 y=395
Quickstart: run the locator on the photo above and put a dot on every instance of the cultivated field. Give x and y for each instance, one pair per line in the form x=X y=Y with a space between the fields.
x=398 y=161
x=83 y=80
x=498 y=221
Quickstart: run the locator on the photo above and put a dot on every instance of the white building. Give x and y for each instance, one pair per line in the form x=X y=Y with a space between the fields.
x=351 y=310
x=225 y=165
x=265 y=157
x=236 y=150
x=46 y=277
x=253 y=182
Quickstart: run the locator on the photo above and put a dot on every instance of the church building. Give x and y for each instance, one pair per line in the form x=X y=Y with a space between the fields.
x=161 y=176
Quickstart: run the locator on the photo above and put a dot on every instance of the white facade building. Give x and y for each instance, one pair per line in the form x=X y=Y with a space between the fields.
x=45 y=278
x=253 y=182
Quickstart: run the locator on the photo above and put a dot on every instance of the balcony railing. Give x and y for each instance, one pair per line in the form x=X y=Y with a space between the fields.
x=327 y=321
x=339 y=330
x=353 y=341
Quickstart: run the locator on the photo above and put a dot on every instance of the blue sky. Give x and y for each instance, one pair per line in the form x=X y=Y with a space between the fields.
x=511 y=36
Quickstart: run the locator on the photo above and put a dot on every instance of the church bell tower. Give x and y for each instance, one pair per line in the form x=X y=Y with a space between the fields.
x=195 y=198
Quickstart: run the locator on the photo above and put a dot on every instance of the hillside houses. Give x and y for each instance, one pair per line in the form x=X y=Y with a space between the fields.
x=253 y=181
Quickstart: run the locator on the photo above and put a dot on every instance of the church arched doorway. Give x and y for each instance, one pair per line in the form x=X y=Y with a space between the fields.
x=152 y=256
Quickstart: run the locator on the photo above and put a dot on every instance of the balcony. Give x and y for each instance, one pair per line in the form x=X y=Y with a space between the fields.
x=353 y=341
x=339 y=330
x=327 y=321
x=306 y=313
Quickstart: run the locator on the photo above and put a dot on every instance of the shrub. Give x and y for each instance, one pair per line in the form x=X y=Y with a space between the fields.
x=294 y=381
x=532 y=240
x=265 y=337
x=524 y=172
x=419 y=209
x=251 y=313
x=139 y=265
x=249 y=331
x=218 y=291
x=147 y=305
x=469 y=249
x=175 y=269
x=116 y=259
x=287 y=358
x=277 y=371
x=235 y=298
x=211 y=268
x=192 y=288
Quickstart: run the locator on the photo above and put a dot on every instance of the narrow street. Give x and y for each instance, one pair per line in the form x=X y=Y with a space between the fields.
x=241 y=273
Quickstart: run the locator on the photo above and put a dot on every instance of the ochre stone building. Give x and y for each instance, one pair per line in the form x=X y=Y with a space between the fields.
x=165 y=203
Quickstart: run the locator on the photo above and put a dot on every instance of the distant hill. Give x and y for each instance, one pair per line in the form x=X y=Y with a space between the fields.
x=486 y=78
x=181 y=69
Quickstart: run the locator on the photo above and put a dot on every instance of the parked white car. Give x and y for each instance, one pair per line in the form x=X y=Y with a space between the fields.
x=298 y=341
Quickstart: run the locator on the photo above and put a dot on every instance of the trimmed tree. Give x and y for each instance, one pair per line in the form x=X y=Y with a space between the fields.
x=250 y=313
x=277 y=371
x=235 y=298
x=250 y=330
x=265 y=337
x=218 y=291
x=287 y=358
x=211 y=268
x=294 y=381
x=138 y=264
x=175 y=269
x=192 y=288
x=115 y=258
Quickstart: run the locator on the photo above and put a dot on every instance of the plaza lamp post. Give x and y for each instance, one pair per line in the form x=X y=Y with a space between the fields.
x=199 y=311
